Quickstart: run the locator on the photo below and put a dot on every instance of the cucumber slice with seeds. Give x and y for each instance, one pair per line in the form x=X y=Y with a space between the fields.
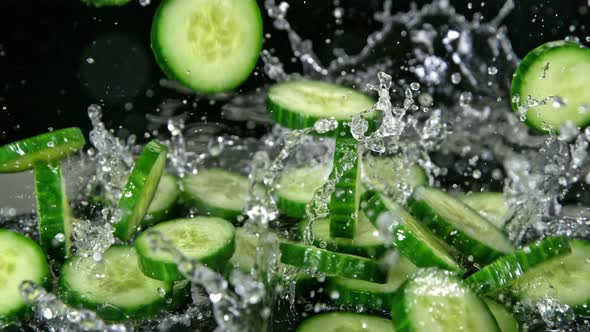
x=316 y=260
x=20 y=259
x=164 y=200
x=53 y=210
x=555 y=69
x=389 y=174
x=214 y=49
x=489 y=204
x=140 y=189
x=437 y=300
x=345 y=321
x=299 y=104
x=504 y=318
x=297 y=186
x=216 y=192
x=410 y=237
x=115 y=287
x=209 y=240
x=22 y=155
x=459 y=225
x=505 y=270
x=564 y=278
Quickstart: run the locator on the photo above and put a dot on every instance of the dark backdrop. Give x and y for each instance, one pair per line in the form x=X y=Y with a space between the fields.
x=59 y=56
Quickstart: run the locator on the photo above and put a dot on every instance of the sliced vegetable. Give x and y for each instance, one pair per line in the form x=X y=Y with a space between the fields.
x=345 y=321
x=164 y=200
x=504 y=318
x=390 y=175
x=489 y=204
x=297 y=186
x=244 y=257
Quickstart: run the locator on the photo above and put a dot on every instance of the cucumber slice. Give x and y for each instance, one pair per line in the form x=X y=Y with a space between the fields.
x=388 y=174
x=369 y=294
x=299 y=104
x=504 y=318
x=140 y=189
x=505 y=270
x=564 y=278
x=316 y=260
x=164 y=199
x=53 y=210
x=209 y=240
x=214 y=49
x=106 y=3
x=366 y=241
x=20 y=259
x=345 y=321
x=115 y=287
x=244 y=257
x=489 y=204
x=437 y=300
x=22 y=155
x=555 y=69
x=345 y=200
x=216 y=192
x=459 y=225
x=297 y=186
x=410 y=237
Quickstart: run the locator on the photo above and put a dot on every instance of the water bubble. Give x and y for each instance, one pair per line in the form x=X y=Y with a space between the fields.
x=465 y=98
x=476 y=174
x=558 y=102
x=144 y=3
x=323 y=126
x=415 y=86
x=89 y=60
x=455 y=78
x=492 y=70
x=338 y=12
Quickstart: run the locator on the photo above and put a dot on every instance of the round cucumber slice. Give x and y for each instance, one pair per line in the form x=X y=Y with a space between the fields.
x=53 y=210
x=555 y=69
x=214 y=49
x=216 y=192
x=20 y=259
x=389 y=175
x=504 y=318
x=437 y=300
x=459 y=225
x=316 y=260
x=164 y=199
x=297 y=186
x=115 y=287
x=22 y=155
x=411 y=238
x=299 y=104
x=345 y=321
x=505 y=270
x=366 y=241
x=209 y=240
x=140 y=189
x=106 y=3
x=489 y=204
x=564 y=278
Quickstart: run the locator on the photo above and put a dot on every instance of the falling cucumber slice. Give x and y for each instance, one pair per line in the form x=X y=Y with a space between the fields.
x=299 y=104
x=408 y=235
x=459 y=225
x=216 y=46
x=115 y=287
x=437 y=300
x=390 y=175
x=20 y=259
x=216 y=192
x=22 y=155
x=490 y=205
x=345 y=199
x=345 y=321
x=140 y=189
x=209 y=240
x=164 y=200
x=296 y=188
x=504 y=318
x=495 y=276
x=53 y=210
x=315 y=260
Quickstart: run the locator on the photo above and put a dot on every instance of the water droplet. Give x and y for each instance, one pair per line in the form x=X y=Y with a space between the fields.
x=465 y=98
x=456 y=78
x=144 y=3
x=492 y=70
x=90 y=60
x=415 y=86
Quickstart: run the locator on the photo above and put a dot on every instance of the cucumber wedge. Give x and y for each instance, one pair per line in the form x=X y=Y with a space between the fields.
x=388 y=175
x=53 y=211
x=411 y=238
x=345 y=321
x=459 y=225
x=22 y=155
x=437 y=300
x=140 y=189
x=215 y=46
x=209 y=240
x=507 y=269
x=297 y=186
x=316 y=260
x=216 y=192
x=20 y=259
x=299 y=104
x=115 y=287
x=504 y=318
x=564 y=278
x=555 y=69
x=489 y=204
x=164 y=200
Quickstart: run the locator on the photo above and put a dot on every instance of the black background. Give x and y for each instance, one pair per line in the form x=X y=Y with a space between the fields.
x=46 y=81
